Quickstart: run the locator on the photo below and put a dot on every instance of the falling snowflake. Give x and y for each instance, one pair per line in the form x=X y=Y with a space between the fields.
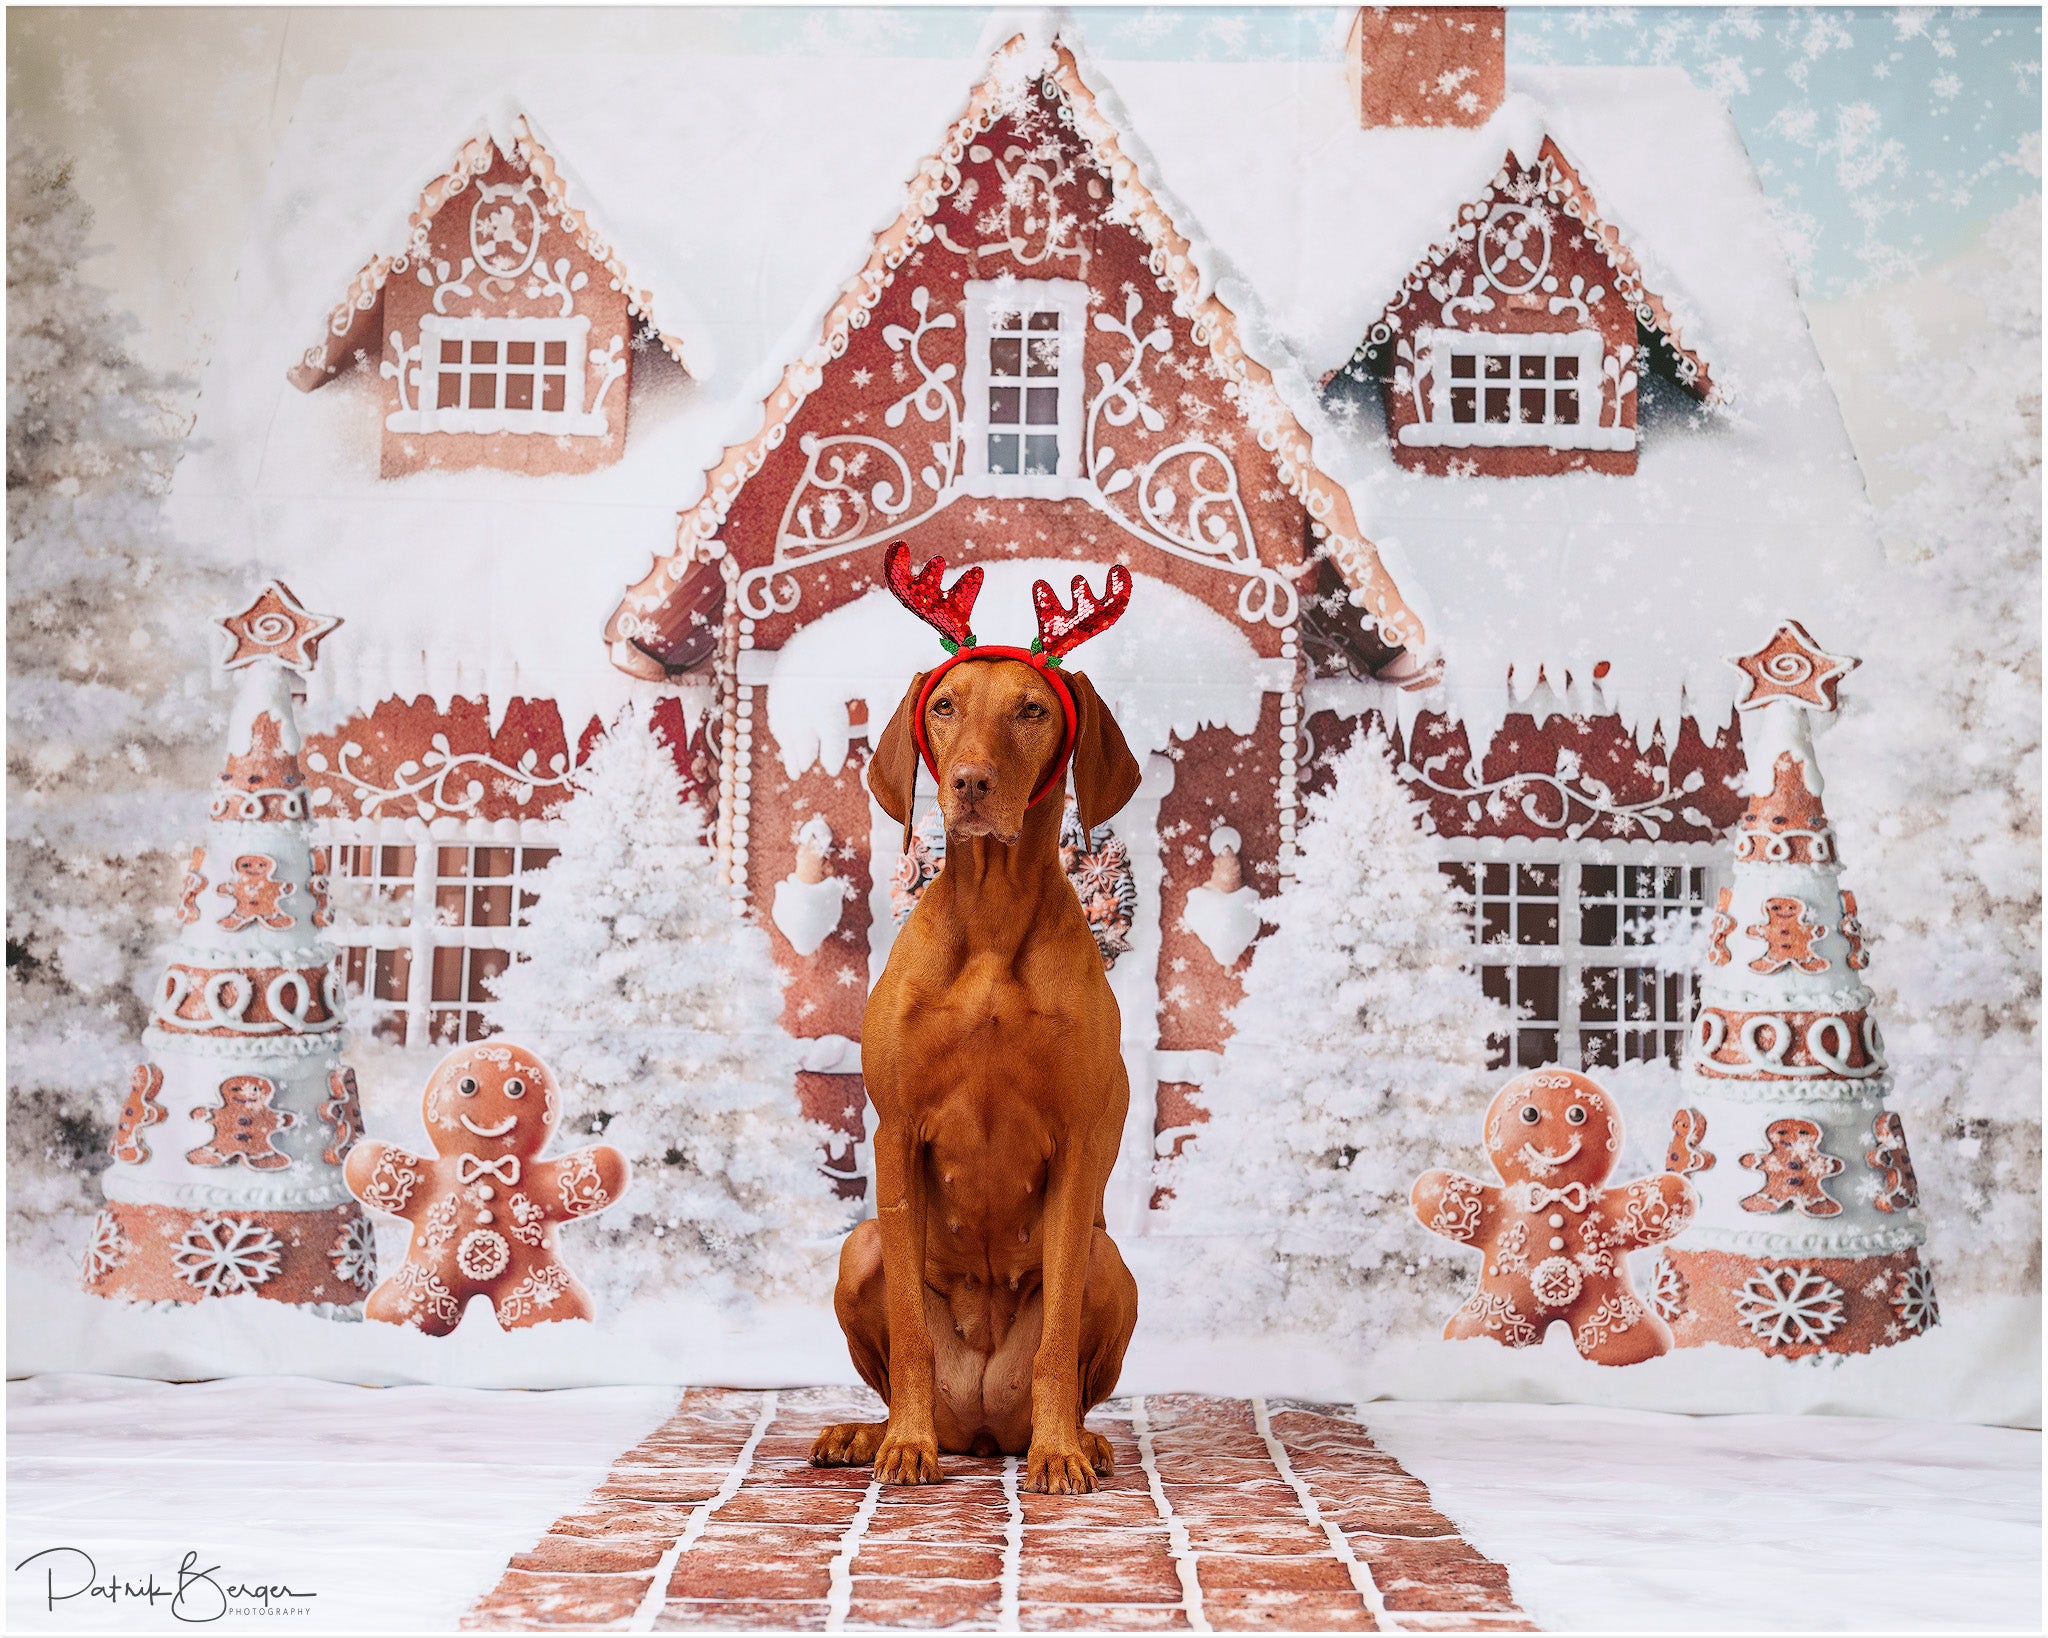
x=1790 y=1307
x=1914 y=1299
x=355 y=1254
x=108 y=1250
x=1667 y=1290
x=223 y=1255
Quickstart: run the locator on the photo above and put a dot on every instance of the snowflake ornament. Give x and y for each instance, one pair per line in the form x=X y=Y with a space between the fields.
x=1790 y=1307
x=220 y=1256
x=1914 y=1300
x=108 y=1248
x=354 y=1254
x=1667 y=1291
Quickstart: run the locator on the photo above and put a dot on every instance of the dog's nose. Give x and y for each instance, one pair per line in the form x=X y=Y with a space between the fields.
x=973 y=780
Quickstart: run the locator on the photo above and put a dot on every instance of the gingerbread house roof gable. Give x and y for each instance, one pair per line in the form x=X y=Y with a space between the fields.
x=1274 y=392
x=1534 y=169
x=510 y=136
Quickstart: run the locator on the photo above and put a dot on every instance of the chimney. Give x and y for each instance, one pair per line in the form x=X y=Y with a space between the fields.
x=1411 y=65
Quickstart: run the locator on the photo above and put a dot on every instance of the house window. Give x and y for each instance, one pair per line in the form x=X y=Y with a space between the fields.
x=1025 y=339
x=417 y=977
x=1562 y=947
x=503 y=375
x=1541 y=388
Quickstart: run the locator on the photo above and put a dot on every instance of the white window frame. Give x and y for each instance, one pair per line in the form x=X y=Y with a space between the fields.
x=1570 y=955
x=983 y=299
x=1439 y=431
x=572 y=419
x=422 y=937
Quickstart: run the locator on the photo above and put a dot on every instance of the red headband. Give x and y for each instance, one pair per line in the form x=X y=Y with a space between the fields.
x=1061 y=630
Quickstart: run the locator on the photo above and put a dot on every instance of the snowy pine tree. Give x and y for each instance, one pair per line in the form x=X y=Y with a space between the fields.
x=1935 y=779
x=659 y=1010
x=1358 y=1061
x=112 y=729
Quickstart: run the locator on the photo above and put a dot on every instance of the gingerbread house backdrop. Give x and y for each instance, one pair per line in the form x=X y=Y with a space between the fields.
x=1489 y=412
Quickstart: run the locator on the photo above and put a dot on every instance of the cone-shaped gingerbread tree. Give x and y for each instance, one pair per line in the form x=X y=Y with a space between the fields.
x=1807 y=1236
x=227 y=1174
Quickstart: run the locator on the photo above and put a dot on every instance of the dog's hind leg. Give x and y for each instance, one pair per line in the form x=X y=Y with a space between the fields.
x=863 y=1316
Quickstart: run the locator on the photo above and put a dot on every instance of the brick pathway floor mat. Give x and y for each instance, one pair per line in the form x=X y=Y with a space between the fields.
x=1223 y=1515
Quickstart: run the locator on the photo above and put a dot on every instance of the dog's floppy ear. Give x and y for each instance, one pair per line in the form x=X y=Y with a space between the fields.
x=1105 y=772
x=892 y=767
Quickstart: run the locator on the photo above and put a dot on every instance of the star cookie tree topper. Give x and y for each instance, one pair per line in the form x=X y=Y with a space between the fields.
x=277 y=626
x=1794 y=668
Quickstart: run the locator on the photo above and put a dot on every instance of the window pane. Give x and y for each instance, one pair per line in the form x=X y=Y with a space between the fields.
x=1005 y=406
x=1535 y=1047
x=444 y=1028
x=491 y=861
x=1042 y=321
x=1464 y=405
x=452 y=861
x=1043 y=358
x=1463 y=366
x=483 y=392
x=394 y=967
x=1536 y=881
x=1640 y=986
x=1497 y=878
x=483 y=352
x=1497 y=400
x=1496 y=367
x=1568 y=405
x=448 y=390
x=1599 y=993
x=1532 y=406
x=1537 y=993
x=1005 y=356
x=483 y=966
x=448 y=904
x=518 y=352
x=1003 y=452
x=519 y=392
x=1462 y=877
x=1565 y=367
x=451 y=352
x=447 y=974
x=1043 y=406
x=1597 y=1049
x=1532 y=366
x=1598 y=923
x=1596 y=881
x=555 y=352
x=491 y=906
x=1493 y=921
x=554 y=393
x=1041 y=454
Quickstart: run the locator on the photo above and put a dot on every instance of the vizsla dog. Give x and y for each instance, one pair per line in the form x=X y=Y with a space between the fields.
x=985 y=1302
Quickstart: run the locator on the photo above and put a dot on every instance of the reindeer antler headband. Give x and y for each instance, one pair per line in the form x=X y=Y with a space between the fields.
x=1061 y=630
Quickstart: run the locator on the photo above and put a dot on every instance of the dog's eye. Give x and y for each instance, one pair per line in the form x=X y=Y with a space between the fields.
x=942 y=708
x=1531 y=1114
x=466 y=1086
x=1032 y=711
x=515 y=1088
x=1575 y=1115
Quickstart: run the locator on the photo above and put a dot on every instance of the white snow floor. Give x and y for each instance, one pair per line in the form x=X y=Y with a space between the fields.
x=398 y=1506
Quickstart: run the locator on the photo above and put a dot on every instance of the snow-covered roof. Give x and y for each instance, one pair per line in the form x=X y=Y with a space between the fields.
x=750 y=188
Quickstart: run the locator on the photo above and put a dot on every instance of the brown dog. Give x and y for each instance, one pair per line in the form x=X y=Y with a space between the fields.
x=984 y=1302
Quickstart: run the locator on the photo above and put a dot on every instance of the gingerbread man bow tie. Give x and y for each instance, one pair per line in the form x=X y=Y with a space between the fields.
x=1061 y=630
x=468 y=1168
x=1573 y=1197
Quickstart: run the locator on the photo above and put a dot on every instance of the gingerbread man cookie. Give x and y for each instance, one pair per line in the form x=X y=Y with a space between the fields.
x=258 y=896
x=243 y=1126
x=139 y=1113
x=484 y=1209
x=1795 y=1170
x=1553 y=1237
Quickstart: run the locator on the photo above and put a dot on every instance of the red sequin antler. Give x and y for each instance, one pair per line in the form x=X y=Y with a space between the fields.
x=946 y=609
x=1062 y=630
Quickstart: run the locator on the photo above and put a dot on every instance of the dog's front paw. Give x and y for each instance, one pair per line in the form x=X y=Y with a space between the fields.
x=906 y=1460
x=1059 y=1472
x=1100 y=1456
x=847 y=1444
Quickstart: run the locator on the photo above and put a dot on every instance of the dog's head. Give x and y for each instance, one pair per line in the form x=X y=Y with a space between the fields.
x=996 y=728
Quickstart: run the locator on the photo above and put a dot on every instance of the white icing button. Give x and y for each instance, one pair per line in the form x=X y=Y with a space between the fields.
x=1557 y=1219
x=485 y=1216
x=1556 y=1240
x=483 y=1191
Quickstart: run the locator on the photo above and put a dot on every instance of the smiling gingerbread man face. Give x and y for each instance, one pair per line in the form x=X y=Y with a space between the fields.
x=491 y=1100
x=1553 y=1127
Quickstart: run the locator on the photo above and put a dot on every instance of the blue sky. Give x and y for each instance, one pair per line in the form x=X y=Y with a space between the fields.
x=1886 y=138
